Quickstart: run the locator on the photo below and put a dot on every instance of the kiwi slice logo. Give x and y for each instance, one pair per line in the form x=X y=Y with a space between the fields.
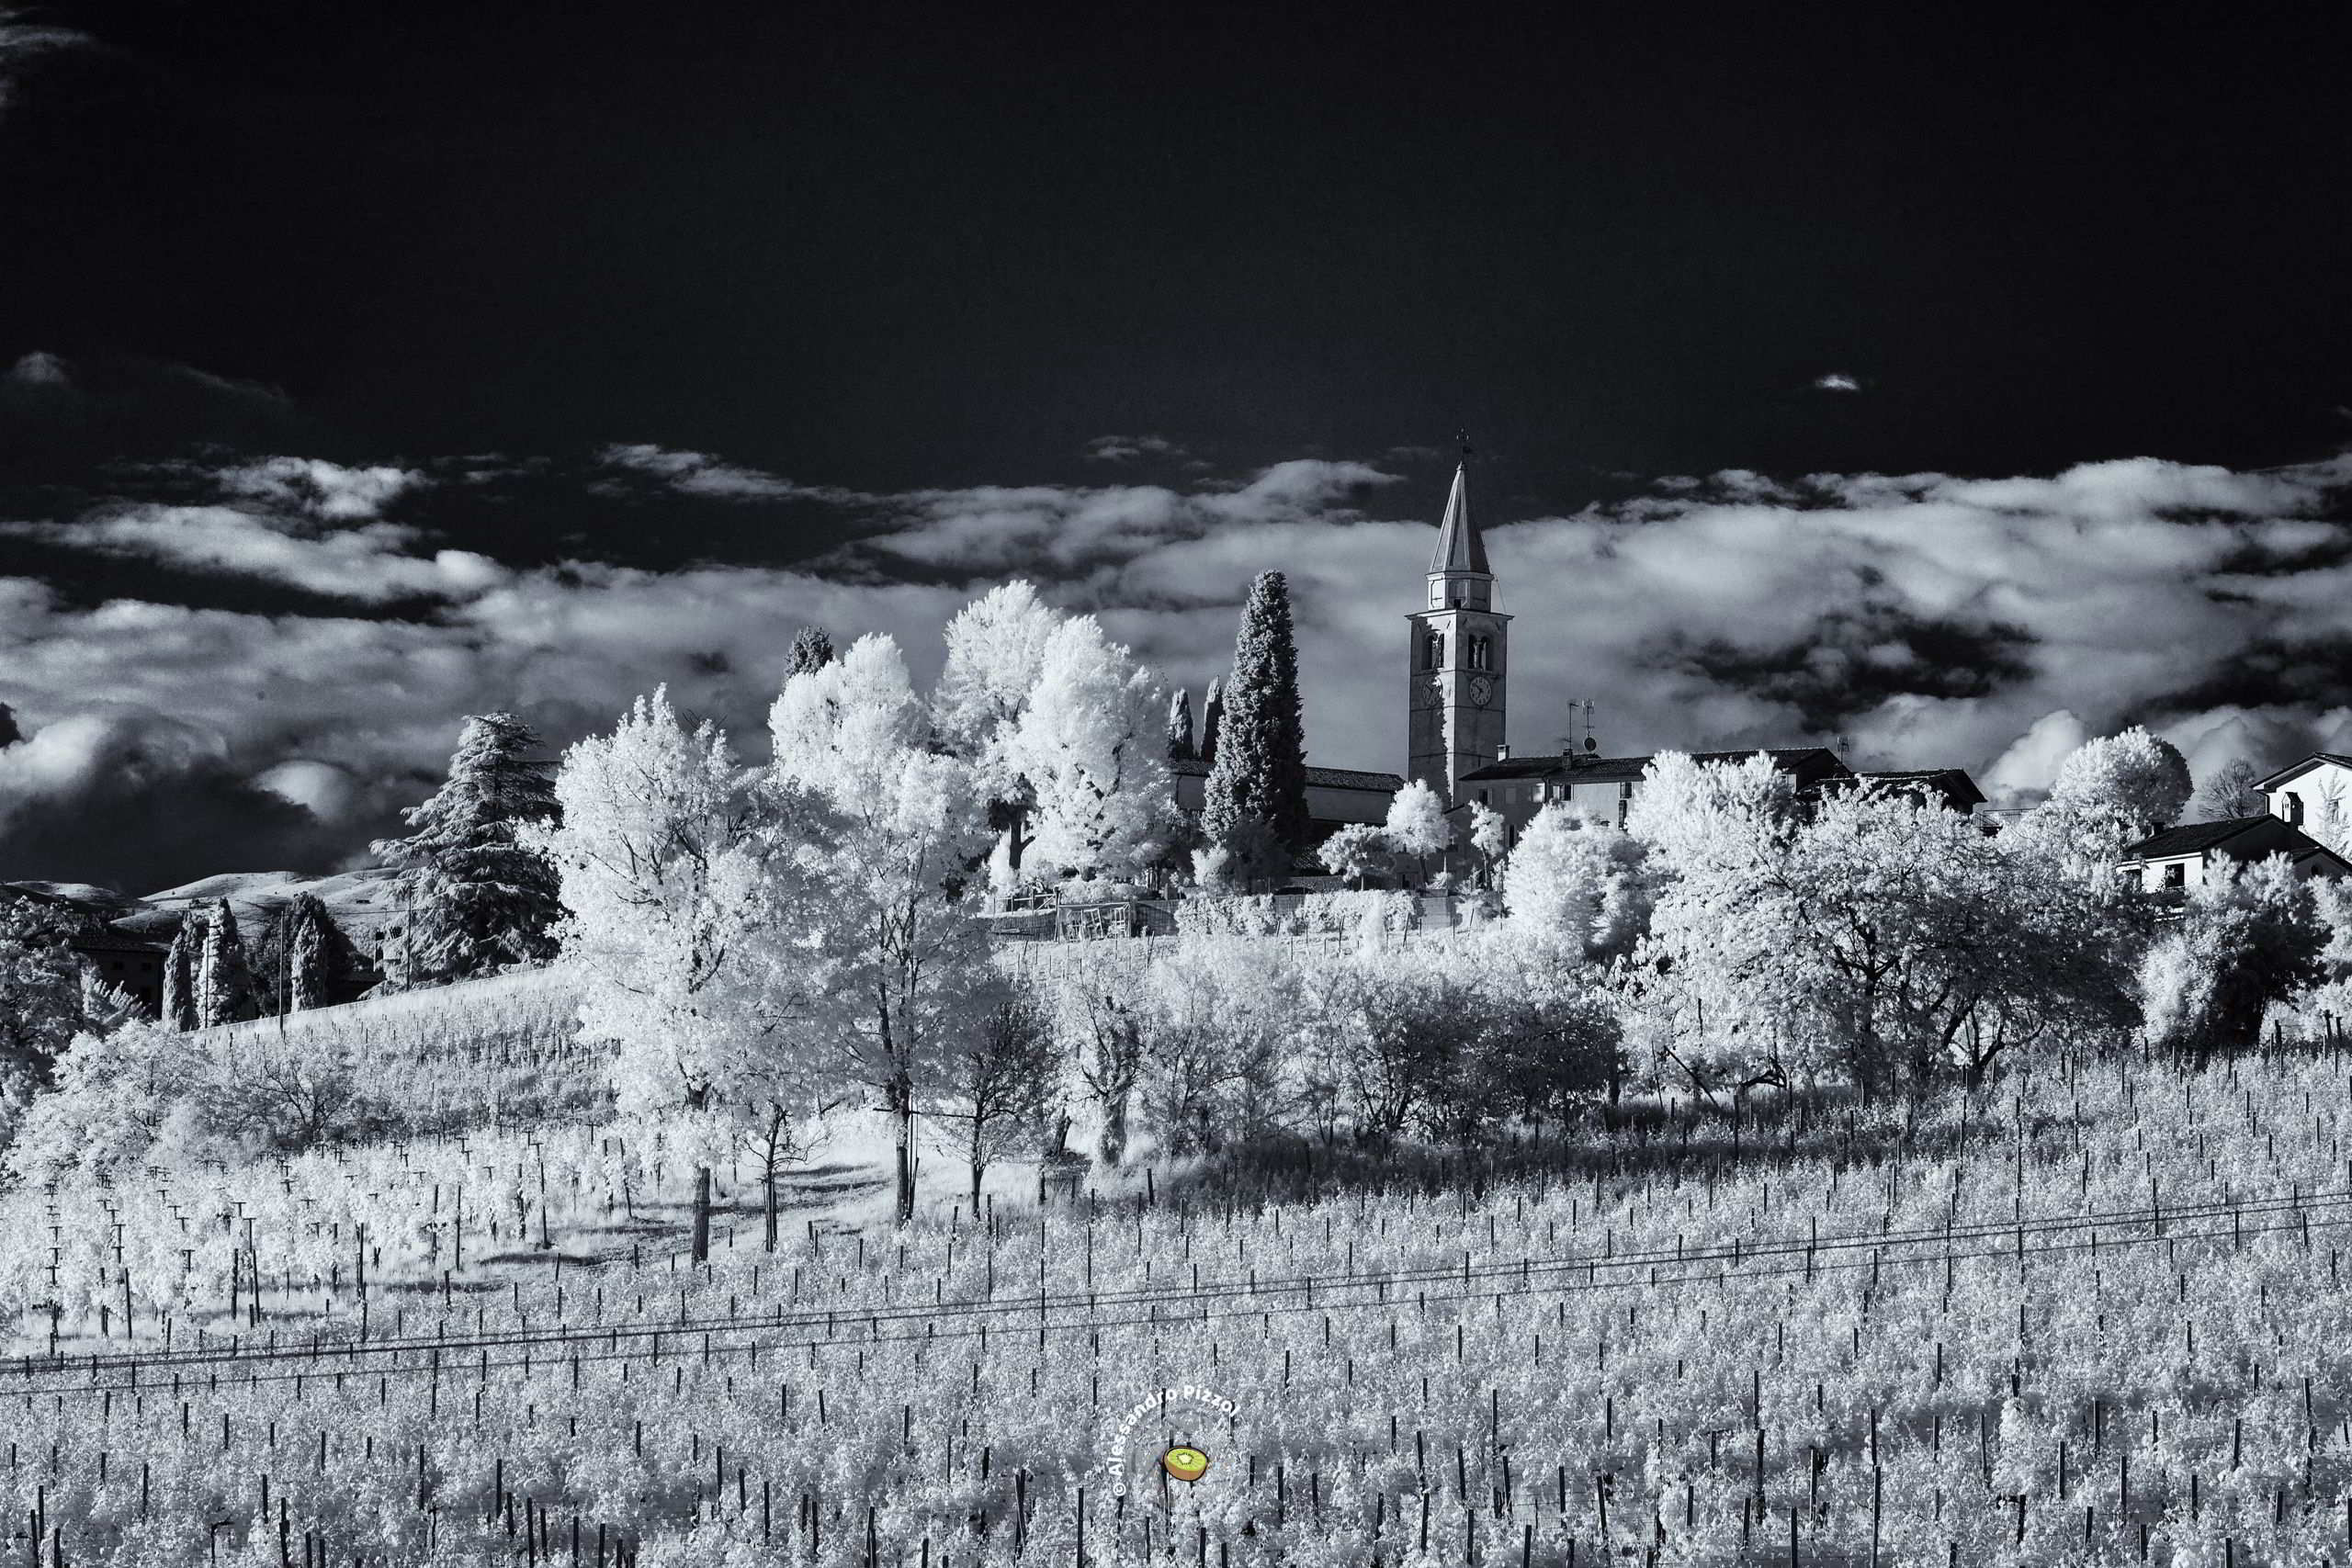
x=1185 y=1463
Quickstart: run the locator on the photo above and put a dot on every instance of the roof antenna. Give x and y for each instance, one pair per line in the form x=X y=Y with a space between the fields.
x=1590 y=745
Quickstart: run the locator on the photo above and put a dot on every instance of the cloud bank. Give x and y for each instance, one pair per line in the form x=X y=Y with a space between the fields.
x=1926 y=619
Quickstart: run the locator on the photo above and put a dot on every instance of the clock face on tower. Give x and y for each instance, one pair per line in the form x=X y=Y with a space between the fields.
x=1482 y=691
x=1433 y=692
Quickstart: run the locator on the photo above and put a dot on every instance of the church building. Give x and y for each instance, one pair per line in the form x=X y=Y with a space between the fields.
x=1458 y=658
x=1457 y=686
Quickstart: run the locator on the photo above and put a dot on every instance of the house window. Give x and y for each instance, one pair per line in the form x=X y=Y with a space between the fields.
x=2176 y=874
x=2294 y=810
x=1482 y=799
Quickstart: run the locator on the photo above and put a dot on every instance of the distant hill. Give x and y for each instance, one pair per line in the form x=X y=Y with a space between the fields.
x=360 y=901
x=368 y=895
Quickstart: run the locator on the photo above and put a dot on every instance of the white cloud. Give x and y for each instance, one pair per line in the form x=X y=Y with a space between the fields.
x=38 y=368
x=1836 y=381
x=1937 y=621
x=1125 y=448
x=324 y=489
x=1068 y=530
x=372 y=563
x=700 y=474
x=322 y=789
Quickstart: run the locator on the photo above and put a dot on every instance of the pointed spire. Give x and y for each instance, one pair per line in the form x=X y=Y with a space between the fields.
x=1459 y=549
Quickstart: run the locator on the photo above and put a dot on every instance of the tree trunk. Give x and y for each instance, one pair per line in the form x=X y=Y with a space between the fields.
x=773 y=1157
x=702 y=1213
x=906 y=1114
x=1114 y=1129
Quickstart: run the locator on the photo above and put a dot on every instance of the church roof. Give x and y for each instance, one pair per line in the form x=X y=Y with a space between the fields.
x=2293 y=770
x=1806 y=763
x=1459 y=549
x=1953 y=783
x=2196 y=838
x=1324 y=778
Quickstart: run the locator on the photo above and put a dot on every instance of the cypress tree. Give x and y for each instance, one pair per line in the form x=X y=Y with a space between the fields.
x=1211 y=714
x=1256 y=799
x=1179 y=724
x=482 y=899
x=179 y=974
x=310 y=954
x=812 y=650
x=224 y=981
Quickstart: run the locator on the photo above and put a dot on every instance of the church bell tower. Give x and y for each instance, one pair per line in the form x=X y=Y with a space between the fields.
x=1458 y=666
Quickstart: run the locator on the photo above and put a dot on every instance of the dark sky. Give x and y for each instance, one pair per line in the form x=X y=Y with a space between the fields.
x=880 y=246
x=365 y=366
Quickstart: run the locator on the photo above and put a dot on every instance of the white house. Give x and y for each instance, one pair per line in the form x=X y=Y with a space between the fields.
x=2184 y=857
x=2308 y=793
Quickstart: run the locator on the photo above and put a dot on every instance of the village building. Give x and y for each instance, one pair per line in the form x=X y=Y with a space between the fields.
x=2306 y=794
x=1458 y=669
x=128 y=964
x=1457 y=703
x=2184 y=857
x=1335 y=796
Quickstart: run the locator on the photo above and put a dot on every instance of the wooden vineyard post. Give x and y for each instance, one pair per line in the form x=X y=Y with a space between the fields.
x=702 y=1213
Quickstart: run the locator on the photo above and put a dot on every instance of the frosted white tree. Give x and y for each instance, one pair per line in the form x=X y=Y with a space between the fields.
x=1577 y=884
x=996 y=649
x=2248 y=936
x=689 y=891
x=1099 y=1025
x=1490 y=837
x=1417 y=824
x=1702 y=979
x=1094 y=753
x=2141 y=778
x=904 y=967
x=1878 y=938
x=1710 y=818
x=118 y=1096
x=2109 y=792
x=1353 y=850
x=44 y=1000
x=1223 y=1062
